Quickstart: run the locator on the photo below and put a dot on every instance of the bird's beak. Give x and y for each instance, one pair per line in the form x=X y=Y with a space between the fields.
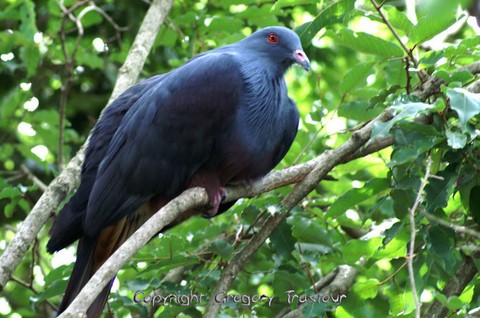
x=301 y=59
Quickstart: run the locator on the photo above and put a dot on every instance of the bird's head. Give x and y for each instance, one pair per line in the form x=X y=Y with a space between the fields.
x=279 y=45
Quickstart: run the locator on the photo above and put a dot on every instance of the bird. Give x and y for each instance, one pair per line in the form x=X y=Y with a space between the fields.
x=224 y=117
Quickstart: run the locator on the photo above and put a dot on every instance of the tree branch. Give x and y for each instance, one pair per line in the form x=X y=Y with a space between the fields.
x=312 y=171
x=315 y=168
x=69 y=178
x=456 y=285
x=341 y=279
x=325 y=163
x=411 y=252
x=432 y=85
x=128 y=73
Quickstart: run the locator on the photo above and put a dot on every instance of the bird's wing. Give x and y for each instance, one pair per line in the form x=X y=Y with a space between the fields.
x=67 y=227
x=291 y=125
x=172 y=130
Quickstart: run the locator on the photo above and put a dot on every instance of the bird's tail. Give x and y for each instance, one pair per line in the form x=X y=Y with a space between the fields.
x=83 y=270
x=92 y=252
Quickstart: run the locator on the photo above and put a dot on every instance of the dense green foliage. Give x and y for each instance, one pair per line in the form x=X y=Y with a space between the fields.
x=55 y=81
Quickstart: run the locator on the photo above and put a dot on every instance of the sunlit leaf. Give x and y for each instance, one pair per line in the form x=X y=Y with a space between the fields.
x=336 y=13
x=355 y=77
x=398 y=19
x=429 y=26
x=466 y=104
x=355 y=196
x=456 y=139
x=367 y=43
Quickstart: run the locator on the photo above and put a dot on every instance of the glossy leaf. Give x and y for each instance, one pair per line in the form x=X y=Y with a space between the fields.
x=335 y=13
x=367 y=43
x=466 y=104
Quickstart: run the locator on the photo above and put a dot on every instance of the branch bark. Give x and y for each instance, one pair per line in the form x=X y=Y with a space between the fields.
x=312 y=172
x=325 y=163
x=69 y=178
x=315 y=168
x=463 y=276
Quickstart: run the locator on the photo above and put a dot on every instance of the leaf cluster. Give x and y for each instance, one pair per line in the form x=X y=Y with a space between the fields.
x=366 y=57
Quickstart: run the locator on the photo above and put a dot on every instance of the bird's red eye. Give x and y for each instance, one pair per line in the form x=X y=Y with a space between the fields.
x=272 y=38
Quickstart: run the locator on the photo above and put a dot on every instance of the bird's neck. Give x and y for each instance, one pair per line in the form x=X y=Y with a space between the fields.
x=266 y=91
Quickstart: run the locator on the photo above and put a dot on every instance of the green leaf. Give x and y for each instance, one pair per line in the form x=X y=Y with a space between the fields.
x=461 y=76
x=355 y=249
x=221 y=248
x=359 y=110
x=338 y=12
x=30 y=56
x=225 y=24
x=367 y=289
x=307 y=230
x=413 y=150
x=438 y=190
x=10 y=192
x=456 y=139
x=283 y=240
x=398 y=19
x=392 y=232
x=316 y=309
x=474 y=203
x=466 y=104
x=91 y=18
x=401 y=304
x=409 y=110
x=167 y=264
x=355 y=196
x=402 y=201
x=85 y=57
x=367 y=43
x=429 y=26
x=382 y=95
x=54 y=289
x=11 y=39
x=396 y=248
x=284 y=281
x=454 y=303
x=355 y=76
x=27 y=16
x=441 y=241
x=431 y=58
x=57 y=274
x=288 y=3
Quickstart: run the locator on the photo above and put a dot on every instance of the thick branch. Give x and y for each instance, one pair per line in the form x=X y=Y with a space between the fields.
x=189 y=199
x=337 y=282
x=463 y=276
x=432 y=85
x=69 y=178
x=48 y=202
x=326 y=162
x=141 y=46
x=341 y=279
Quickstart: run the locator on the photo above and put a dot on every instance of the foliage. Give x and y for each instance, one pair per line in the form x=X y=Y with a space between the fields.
x=56 y=81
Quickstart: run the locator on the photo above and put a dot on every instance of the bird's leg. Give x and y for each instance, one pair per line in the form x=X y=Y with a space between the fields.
x=216 y=193
x=215 y=198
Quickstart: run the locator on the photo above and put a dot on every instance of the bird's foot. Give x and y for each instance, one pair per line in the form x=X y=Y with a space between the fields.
x=215 y=199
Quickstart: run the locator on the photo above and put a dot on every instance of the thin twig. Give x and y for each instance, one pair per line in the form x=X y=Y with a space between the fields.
x=423 y=76
x=411 y=252
x=455 y=227
x=29 y=174
x=394 y=32
x=70 y=59
x=33 y=289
